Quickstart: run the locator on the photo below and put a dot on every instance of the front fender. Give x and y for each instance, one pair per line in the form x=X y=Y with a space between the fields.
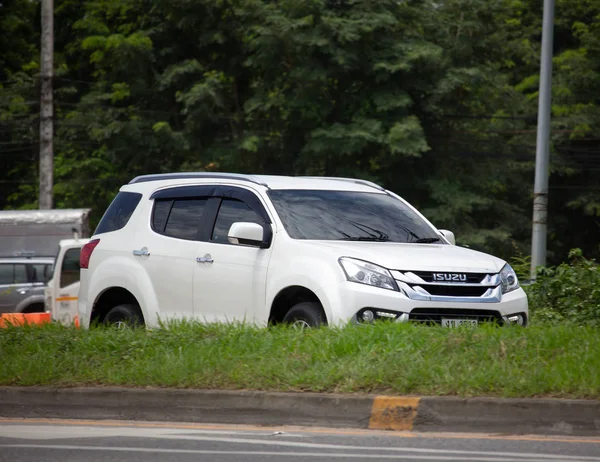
x=309 y=272
x=121 y=272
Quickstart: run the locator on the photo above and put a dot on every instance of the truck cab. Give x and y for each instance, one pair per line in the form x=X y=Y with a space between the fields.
x=63 y=288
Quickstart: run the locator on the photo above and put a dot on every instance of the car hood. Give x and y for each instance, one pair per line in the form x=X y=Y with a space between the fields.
x=416 y=257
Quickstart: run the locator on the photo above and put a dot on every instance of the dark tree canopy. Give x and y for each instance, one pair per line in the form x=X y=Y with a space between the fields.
x=436 y=100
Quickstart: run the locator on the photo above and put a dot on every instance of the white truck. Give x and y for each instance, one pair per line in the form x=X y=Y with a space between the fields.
x=31 y=269
x=62 y=291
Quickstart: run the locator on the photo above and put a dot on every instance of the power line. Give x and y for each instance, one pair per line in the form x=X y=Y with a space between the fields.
x=489 y=116
x=24 y=148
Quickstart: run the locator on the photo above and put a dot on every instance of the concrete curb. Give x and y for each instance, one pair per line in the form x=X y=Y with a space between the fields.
x=422 y=414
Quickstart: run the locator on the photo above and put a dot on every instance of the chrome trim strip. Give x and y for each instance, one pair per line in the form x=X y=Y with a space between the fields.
x=491 y=280
x=349 y=180
x=492 y=295
x=198 y=176
x=406 y=277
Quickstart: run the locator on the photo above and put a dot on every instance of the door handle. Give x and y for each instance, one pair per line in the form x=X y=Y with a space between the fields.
x=205 y=259
x=22 y=291
x=143 y=252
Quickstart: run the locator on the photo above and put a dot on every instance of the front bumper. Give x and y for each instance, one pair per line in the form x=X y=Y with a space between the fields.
x=344 y=301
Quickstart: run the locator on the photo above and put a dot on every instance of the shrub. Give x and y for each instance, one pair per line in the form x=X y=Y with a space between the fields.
x=569 y=292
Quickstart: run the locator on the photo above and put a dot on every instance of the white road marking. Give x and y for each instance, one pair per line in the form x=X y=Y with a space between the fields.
x=52 y=432
x=55 y=432
x=272 y=453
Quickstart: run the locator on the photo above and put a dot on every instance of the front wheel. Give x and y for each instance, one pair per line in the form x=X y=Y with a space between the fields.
x=306 y=315
x=124 y=316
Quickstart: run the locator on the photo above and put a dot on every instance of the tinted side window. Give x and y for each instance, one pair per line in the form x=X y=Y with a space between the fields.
x=160 y=215
x=48 y=272
x=20 y=274
x=41 y=272
x=232 y=210
x=118 y=213
x=6 y=273
x=185 y=218
x=69 y=272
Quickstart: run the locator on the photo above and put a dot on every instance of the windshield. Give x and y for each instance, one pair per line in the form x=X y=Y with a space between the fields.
x=349 y=215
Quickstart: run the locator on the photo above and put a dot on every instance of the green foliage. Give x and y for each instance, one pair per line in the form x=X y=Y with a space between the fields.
x=522 y=266
x=568 y=293
x=551 y=361
x=435 y=100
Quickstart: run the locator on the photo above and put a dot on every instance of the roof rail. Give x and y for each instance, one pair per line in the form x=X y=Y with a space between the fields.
x=348 y=180
x=196 y=175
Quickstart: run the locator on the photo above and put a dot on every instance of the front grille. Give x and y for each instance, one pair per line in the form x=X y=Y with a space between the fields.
x=472 y=278
x=456 y=291
x=464 y=287
x=435 y=315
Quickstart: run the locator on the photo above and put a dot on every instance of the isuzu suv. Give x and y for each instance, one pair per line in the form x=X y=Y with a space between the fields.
x=309 y=251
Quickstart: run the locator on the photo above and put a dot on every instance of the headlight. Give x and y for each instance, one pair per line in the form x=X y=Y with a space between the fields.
x=509 y=279
x=367 y=273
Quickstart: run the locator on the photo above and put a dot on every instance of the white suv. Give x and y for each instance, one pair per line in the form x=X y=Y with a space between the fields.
x=310 y=251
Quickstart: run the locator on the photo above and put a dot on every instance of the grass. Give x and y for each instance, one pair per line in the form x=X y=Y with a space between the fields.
x=549 y=361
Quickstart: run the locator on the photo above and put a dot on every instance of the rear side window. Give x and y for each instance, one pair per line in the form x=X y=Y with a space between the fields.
x=119 y=212
x=41 y=272
x=180 y=218
x=160 y=215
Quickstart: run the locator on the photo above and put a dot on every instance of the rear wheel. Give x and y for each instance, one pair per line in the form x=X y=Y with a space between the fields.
x=34 y=308
x=306 y=315
x=124 y=316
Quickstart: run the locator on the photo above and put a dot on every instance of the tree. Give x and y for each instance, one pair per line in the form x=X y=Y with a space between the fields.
x=436 y=100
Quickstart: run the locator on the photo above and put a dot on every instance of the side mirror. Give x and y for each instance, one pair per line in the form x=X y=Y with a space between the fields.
x=244 y=233
x=449 y=235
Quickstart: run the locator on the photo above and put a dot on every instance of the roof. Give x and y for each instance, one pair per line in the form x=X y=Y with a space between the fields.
x=21 y=260
x=82 y=241
x=153 y=182
x=56 y=216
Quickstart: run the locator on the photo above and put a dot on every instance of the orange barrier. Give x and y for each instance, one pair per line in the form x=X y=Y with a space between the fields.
x=20 y=319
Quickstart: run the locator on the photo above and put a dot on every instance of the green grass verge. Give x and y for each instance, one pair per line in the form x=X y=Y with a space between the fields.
x=551 y=361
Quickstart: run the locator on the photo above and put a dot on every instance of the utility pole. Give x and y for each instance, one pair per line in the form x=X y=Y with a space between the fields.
x=47 y=107
x=540 y=193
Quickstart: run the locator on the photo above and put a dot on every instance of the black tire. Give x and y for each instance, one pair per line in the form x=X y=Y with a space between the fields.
x=123 y=316
x=34 y=308
x=306 y=315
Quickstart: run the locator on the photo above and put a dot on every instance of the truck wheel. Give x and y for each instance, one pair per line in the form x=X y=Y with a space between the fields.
x=124 y=316
x=306 y=315
x=34 y=308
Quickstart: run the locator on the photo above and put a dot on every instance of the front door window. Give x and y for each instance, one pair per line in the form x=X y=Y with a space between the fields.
x=230 y=212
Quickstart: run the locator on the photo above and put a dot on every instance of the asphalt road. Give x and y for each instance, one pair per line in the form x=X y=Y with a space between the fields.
x=95 y=441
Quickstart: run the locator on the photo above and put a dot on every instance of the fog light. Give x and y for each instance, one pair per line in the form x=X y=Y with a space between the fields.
x=516 y=319
x=383 y=314
x=368 y=316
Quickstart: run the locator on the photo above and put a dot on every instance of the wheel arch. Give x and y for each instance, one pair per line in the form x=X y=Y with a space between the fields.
x=108 y=299
x=120 y=273
x=289 y=296
x=31 y=304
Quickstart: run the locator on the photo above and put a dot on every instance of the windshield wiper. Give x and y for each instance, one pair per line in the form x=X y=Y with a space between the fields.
x=379 y=235
x=427 y=240
x=366 y=238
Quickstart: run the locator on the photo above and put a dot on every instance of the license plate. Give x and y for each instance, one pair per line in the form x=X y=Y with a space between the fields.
x=458 y=322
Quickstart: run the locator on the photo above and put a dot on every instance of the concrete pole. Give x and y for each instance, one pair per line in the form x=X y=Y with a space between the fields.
x=47 y=107
x=540 y=193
